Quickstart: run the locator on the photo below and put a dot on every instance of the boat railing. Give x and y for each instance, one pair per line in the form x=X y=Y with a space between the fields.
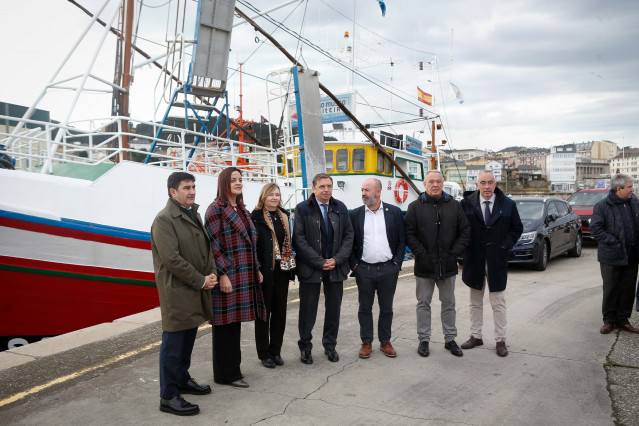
x=37 y=147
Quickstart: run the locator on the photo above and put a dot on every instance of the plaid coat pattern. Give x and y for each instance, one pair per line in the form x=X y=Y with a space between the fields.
x=233 y=247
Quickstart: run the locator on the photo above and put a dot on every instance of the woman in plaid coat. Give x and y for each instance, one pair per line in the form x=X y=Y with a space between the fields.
x=238 y=297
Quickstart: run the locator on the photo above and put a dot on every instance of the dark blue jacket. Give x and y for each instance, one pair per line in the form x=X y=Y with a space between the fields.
x=606 y=226
x=307 y=238
x=490 y=242
x=394 y=233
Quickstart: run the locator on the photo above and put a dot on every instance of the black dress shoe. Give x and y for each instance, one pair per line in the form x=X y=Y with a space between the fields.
x=422 y=349
x=453 y=348
x=306 y=357
x=177 y=405
x=332 y=355
x=194 y=388
x=268 y=363
x=278 y=360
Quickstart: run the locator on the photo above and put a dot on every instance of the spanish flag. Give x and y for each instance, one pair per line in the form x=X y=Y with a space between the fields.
x=424 y=97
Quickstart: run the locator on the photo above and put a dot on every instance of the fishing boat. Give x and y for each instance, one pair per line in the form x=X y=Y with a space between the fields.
x=79 y=198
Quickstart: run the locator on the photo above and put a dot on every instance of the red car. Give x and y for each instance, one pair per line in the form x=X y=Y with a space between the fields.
x=582 y=203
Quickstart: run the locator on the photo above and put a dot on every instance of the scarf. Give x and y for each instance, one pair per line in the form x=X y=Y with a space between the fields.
x=285 y=254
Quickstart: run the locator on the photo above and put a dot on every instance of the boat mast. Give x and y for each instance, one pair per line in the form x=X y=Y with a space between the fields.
x=339 y=103
x=124 y=71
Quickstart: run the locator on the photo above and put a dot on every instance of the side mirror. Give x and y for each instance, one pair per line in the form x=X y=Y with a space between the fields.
x=552 y=217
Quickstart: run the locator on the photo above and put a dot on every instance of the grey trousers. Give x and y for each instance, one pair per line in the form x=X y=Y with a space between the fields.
x=424 y=291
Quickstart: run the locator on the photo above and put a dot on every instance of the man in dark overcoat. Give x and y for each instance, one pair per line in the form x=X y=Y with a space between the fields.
x=615 y=226
x=496 y=227
x=184 y=274
x=323 y=239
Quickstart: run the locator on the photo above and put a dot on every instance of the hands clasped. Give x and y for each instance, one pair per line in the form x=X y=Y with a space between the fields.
x=329 y=264
x=210 y=281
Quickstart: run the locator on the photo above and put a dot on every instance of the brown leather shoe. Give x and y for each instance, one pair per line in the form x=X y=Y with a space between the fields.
x=628 y=327
x=501 y=348
x=388 y=349
x=606 y=329
x=365 y=351
x=472 y=342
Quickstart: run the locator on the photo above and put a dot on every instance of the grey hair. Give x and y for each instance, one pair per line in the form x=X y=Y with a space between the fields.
x=619 y=181
x=487 y=171
x=378 y=183
x=434 y=171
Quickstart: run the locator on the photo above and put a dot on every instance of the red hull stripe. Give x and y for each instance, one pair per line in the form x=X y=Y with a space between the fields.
x=76 y=276
x=72 y=229
x=94 y=273
x=30 y=306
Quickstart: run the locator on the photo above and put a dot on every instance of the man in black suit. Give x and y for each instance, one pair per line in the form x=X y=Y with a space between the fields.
x=376 y=259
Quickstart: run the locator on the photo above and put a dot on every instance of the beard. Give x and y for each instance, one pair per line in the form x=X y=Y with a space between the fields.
x=371 y=201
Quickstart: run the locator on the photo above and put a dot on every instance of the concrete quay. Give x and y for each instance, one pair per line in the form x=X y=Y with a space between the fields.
x=560 y=370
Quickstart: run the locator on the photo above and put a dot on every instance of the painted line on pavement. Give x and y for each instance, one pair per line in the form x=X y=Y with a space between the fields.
x=59 y=380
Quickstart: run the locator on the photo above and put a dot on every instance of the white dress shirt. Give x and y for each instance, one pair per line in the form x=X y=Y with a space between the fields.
x=483 y=203
x=375 y=248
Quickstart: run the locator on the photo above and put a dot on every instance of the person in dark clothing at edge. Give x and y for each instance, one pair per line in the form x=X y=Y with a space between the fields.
x=615 y=226
x=437 y=232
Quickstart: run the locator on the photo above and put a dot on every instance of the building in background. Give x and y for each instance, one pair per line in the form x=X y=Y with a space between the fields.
x=562 y=168
x=597 y=150
x=533 y=157
x=453 y=170
x=467 y=154
x=627 y=161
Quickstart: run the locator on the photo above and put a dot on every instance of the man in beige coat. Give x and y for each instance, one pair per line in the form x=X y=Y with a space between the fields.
x=184 y=274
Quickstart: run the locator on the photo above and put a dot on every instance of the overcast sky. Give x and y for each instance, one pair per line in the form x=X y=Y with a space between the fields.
x=535 y=74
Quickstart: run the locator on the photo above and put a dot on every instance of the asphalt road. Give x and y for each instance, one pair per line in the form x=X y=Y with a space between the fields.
x=560 y=370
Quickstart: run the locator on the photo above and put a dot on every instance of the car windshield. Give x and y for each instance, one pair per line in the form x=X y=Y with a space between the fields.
x=530 y=210
x=587 y=198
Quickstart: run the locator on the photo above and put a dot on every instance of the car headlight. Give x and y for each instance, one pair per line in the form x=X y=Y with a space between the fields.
x=527 y=237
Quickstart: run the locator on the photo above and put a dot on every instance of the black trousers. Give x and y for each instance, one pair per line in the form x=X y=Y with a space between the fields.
x=618 y=291
x=175 y=360
x=309 y=299
x=380 y=278
x=227 y=354
x=269 y=334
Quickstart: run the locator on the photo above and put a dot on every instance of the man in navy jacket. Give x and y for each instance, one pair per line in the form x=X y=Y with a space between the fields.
x=323 y=239
x=376 y=259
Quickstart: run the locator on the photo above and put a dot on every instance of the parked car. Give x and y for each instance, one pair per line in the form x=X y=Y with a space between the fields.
x=551 y=228
x=582 y=203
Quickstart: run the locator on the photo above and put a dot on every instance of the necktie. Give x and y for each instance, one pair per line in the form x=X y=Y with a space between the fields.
x=487 y=212
x=325 y=213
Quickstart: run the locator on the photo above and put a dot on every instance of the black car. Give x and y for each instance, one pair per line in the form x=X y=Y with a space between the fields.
x=551 y=228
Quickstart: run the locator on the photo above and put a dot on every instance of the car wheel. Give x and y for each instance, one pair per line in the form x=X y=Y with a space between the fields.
x=576 y=250
x=542 y=258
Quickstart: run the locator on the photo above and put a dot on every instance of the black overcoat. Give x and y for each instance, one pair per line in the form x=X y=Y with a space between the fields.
x=265 y=246
x=489 y=243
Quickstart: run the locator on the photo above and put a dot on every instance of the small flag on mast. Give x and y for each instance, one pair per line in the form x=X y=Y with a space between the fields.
x=382 y=5
x=424 y=97
x=263 y=119
x=458 y=93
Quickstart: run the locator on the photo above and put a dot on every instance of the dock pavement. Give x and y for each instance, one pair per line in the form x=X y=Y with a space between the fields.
x=560 y=370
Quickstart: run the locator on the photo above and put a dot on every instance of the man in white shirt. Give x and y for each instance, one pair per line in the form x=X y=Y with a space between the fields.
x=376 y=259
